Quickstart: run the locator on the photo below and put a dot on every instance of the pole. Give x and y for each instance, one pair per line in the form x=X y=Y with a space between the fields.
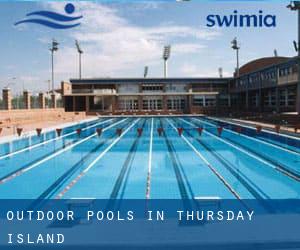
x=48 y=81
x=79 y=65
x=237 y=63
x=298 y=60
x=52 y=63
x=165 y=68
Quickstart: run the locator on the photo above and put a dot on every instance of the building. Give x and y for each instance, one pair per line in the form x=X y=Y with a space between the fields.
x=146 y=95
x=264 y=85
x=267 y=85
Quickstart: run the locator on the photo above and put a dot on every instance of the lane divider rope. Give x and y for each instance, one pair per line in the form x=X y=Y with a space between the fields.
x=48 y=141
x=18 y=173
x=93 y=163
x=148 y=187
x=229 y=187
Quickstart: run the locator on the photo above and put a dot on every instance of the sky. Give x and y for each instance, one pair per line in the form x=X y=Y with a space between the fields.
x=119 y=38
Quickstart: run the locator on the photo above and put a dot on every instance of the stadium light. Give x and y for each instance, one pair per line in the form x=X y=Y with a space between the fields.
x=220 y=70
x=295 y=6
x=54 y=48
x=166 y=56
x=80 y=51
x=295 y=46
x=234 y=45
x=11 y=82
x=146 y=71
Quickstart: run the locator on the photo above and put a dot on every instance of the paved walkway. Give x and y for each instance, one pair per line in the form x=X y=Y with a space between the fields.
x=31 y=120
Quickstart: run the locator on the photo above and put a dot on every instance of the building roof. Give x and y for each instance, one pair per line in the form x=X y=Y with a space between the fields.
x=126 y=80
x=262 y=63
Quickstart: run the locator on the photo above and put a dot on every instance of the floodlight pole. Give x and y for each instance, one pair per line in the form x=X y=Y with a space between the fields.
x=166 y=56
x=236 y=48
x=54 y=47
x=79 y=65
x=165 y=68
x=80 y=51
x=295 y=6
x=52 y=70
x=237 y=63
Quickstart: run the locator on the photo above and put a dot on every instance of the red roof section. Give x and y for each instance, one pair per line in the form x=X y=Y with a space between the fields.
x=261 y=63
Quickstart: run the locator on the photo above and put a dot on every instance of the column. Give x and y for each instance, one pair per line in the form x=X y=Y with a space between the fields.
x=165 y=104
x=27 y=99
x=6 y=96
x=140 y=100
x=87 y=104
x=247 y=100
x=42 y=102
x=298 y=98
x=190 y=104
x=53 y=101
x=277 y=100
x=74 y=103
x=260 y=102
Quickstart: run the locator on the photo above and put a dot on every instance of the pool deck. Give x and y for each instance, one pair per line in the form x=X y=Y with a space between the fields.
x=268 y=126
x=50 y=119
x=29 y=121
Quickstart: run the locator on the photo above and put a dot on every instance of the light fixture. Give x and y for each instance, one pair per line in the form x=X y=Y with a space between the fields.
x=166 y=56
x=234 y=45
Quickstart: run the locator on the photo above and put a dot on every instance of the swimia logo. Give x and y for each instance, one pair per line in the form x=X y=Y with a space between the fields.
x=239 y=20
x=52 y=19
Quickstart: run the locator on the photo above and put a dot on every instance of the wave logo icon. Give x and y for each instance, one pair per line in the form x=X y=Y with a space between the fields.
x=53 y=20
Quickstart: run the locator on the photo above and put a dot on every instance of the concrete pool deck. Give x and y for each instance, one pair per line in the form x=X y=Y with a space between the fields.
x=30 y=120
x=47 y=119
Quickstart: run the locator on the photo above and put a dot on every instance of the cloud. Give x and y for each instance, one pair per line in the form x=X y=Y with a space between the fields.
x=113 y=46
x=191 y=70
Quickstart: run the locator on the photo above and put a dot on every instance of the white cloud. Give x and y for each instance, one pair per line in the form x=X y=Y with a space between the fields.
x=114 y=46
x=188 y=69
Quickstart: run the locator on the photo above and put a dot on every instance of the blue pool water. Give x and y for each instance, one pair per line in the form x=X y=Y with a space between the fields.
x=232 y=165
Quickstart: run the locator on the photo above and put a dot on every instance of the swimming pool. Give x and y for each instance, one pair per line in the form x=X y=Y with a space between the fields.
x=146 y=157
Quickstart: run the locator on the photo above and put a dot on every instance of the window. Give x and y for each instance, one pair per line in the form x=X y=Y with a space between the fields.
x=176 y=103
x=128 y=104
x=285 y=71
x=210 y=101
x=269 y=75
x=204 y=101
x=270 y=98
x=198 y=101
x=152 y=104
x=152 y=87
